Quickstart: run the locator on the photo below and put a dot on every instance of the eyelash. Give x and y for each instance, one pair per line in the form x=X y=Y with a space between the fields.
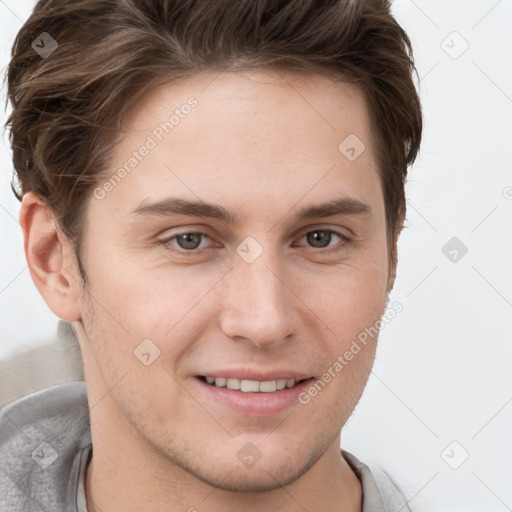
x=191 y=252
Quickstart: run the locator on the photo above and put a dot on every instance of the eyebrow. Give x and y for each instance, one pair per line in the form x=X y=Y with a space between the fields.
x=179 y=206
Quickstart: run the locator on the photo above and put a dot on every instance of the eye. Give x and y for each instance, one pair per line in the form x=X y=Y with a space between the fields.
x=187 y=241
x=321 y=238
x=191 y=242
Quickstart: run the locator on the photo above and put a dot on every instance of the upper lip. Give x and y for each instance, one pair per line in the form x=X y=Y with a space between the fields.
x=259 y=375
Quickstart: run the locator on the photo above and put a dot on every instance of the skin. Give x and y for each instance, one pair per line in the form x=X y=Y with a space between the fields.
x=263 y=145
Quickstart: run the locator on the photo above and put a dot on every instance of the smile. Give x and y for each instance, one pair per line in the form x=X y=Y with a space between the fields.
x=252 y=386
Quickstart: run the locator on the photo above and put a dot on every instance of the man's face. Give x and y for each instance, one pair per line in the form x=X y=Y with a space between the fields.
x=266 y=296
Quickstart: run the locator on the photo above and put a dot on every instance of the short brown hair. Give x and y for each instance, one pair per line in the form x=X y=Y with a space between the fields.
x=67 y=107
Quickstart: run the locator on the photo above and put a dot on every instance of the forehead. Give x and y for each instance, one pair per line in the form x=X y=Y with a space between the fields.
x=320 y=91
x=257 y=131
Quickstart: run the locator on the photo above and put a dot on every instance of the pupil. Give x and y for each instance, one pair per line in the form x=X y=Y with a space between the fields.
x=189 y=240
x=319 y=238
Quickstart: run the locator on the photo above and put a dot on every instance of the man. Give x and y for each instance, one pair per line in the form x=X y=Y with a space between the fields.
x=211 y=194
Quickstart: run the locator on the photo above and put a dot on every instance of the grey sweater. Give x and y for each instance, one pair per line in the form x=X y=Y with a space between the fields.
x=45 y=444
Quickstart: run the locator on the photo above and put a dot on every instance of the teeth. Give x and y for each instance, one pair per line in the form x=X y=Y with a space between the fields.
x=233 y=384
x=251 y=386
x=268 y=386
x=280 y=383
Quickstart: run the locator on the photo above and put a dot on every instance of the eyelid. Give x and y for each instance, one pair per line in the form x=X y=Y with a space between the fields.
x=315 y=227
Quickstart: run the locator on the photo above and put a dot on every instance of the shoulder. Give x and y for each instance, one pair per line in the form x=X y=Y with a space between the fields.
x=41 y=439
x=380 y=492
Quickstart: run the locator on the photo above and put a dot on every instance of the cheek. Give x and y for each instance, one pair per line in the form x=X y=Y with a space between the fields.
x=350 y=299
x=163 y=306
x=350 y=305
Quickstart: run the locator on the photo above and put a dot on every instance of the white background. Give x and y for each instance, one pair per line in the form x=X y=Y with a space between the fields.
x=443 y=372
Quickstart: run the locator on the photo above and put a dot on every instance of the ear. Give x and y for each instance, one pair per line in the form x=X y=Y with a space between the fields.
x=50 y=258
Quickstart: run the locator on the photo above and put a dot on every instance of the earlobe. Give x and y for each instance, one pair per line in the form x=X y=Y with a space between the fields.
x=49 y=259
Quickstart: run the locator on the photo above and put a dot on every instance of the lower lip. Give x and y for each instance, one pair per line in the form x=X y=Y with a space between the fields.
x=255 y=404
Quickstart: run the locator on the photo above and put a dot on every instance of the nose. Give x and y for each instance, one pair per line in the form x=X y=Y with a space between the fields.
x=258 y=305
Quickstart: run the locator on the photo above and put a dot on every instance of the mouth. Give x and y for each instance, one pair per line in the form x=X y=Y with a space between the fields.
x=255 y=392
x=251 y=386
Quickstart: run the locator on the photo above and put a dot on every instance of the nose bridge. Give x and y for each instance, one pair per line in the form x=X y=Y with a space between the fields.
x=258 y=305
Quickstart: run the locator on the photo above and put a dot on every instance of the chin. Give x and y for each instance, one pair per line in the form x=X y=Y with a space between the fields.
x=264 y=478
x=272 y=468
